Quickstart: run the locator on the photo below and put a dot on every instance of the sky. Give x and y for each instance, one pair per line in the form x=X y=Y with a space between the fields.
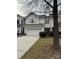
x=24 y=7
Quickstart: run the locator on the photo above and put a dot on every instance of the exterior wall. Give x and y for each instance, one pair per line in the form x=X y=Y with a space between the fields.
x=18 y=29
x=41 y=21
x=50 y=24
x=47 y=25
x=59 y=20
x=59 y=17
x=36 y=19
x=19 y=18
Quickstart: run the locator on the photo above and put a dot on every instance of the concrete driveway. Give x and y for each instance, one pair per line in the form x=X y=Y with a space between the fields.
x=24 y=43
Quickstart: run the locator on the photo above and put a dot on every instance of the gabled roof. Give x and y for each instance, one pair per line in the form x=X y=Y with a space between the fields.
x=31 y=14
x=34 y=14
x=19 y=15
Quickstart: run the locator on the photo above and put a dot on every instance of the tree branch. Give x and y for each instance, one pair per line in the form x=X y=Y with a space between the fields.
x=48 y=3
x=59 y=4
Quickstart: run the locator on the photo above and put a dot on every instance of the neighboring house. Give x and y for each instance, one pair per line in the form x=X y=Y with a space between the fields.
x=32 y=24
x=20 y=24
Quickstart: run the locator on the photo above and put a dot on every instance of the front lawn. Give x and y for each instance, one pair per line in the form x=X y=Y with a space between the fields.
x=42 y=49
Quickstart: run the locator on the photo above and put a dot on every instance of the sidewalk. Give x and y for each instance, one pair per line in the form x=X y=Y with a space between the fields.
x=24 y=44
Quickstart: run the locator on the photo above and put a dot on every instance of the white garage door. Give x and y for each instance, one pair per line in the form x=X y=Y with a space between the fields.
x=33 y=32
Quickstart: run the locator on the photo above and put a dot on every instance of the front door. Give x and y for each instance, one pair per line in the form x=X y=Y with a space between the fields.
x=47 y=30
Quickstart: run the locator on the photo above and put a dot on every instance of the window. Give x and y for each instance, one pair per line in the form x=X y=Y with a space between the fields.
x=18 y=31
x=24 y=20
x=22 y=30
x=32 y=21
x=47 y=30
x=47 y=21
x=18 y=22
x=21 y=21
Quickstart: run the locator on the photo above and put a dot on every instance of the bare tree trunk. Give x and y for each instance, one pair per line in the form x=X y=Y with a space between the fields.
x=55 y=17
x=56 y=30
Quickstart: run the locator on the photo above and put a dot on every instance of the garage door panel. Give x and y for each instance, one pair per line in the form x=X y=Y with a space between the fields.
x=33 y=32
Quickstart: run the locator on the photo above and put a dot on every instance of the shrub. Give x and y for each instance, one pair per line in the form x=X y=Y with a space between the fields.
x=51 y=33
x=43 y=34
x=18 y=33
x=22 y=34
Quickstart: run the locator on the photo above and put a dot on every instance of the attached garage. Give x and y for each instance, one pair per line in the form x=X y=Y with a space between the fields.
x=33 y=29
x=33 y=32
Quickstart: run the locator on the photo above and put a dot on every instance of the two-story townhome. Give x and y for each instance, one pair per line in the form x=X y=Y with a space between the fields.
x=20 y=23
x=32 y=24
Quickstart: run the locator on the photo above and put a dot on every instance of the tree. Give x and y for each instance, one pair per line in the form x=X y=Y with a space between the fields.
x=56 y=30
x=55 y=17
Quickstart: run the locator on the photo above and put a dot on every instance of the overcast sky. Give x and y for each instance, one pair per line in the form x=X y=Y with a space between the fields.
x=24 y=7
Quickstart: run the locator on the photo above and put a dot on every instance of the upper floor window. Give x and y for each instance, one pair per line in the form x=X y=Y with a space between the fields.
x=24 y=20
x=32 y=21
x=21 y=21
x=47 y=21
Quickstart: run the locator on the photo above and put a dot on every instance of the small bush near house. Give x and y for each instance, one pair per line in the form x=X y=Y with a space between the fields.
x=18 y=33
x=51 y=33
x=22 y=34
x=43 y=34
